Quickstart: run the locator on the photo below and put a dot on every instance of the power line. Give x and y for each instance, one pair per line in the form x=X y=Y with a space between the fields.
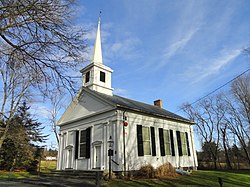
x=217 y=88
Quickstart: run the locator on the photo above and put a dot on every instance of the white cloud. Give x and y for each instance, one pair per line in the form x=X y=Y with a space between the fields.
x=124 y=49
x=121 y=92
x=116 y=47
x=212 y=66
x=90 y=34
x=40 y=111
x=189 y=21
x=179 y=44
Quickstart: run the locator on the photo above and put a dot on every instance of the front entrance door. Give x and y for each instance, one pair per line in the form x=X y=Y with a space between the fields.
x=98 y=157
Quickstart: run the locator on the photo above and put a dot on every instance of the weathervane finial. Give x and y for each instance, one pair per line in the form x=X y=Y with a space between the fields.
x=99 y=16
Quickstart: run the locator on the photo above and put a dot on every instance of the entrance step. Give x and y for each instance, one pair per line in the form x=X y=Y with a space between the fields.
x=77 y=174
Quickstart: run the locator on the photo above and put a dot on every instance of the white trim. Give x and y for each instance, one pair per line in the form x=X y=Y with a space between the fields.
x=89 y=116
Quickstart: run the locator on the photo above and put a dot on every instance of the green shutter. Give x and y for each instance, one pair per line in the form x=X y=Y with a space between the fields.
x=188 y=148
x=152 y=129
x=76 y=144
x=140 y=141
x=172 y=142
x=161 y=138
x=88 y=134
x=178 y=134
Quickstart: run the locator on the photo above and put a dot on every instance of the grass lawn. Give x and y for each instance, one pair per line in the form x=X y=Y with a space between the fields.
x=15 y=175
x=198 y=178
x=46 y=166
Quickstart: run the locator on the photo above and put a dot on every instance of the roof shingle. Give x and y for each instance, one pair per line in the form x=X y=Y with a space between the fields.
x=141 y=107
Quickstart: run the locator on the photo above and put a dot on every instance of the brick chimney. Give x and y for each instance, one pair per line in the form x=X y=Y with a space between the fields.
x=158 y=103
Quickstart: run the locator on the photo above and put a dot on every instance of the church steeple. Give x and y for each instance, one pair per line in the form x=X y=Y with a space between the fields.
x=97 y=76
x=97 y=54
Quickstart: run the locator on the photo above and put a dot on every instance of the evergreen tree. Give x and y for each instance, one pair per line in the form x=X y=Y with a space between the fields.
x=19 y=146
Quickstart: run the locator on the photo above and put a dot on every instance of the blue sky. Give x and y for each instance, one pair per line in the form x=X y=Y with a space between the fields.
x=177 y=51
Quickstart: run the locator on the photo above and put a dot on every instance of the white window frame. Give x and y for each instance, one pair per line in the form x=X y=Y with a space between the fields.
x=183 y=143
x=167 y=142
x=149 y=141
x=83 y=143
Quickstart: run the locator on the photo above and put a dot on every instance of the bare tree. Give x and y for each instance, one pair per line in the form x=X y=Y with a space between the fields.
x=39 y=35
x=208 y=115
x=39 y=48
x=15 y=87
x=56 y=101
x=224 y=116
x=238 y=112
x=241 y=91
x=224 y=129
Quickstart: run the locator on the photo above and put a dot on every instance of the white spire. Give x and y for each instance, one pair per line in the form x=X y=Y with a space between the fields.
x=97 y=54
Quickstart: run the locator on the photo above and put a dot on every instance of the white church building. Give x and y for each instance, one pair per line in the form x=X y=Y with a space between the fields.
x=138 y=133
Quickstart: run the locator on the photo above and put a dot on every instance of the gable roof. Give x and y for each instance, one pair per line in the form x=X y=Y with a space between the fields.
x=130 y=104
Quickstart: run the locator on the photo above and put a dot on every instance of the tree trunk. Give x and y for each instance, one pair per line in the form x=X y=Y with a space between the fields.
x=215 y=162
x=229 y=166
x=247 y=155
x=243 y=144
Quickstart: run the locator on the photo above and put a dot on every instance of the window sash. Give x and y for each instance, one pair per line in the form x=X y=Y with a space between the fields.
x=83 y=136
x=183 y=143
x=146 y=140
x=167 y=142
x=145 y=134
x=83 y=150
x=146 y=148
x=82 y=144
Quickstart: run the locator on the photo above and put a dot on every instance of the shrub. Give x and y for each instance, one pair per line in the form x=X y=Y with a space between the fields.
x=147 y=171
x=165 y=170
x=32 y=167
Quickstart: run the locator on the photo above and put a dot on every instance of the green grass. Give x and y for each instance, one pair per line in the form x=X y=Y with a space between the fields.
x=48 y=165
x=15 y=175
x=198 y=178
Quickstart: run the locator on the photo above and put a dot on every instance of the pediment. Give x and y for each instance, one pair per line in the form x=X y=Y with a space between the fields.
x=84 y=104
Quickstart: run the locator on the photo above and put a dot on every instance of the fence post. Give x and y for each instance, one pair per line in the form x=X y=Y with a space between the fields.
x=220 y=181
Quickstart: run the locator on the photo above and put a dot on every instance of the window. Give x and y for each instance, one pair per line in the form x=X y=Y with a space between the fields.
x=166 y=142
x=102 y=76
x=82 y=143
x=87 y=76
x=183 y=143
x=143 y=140
x=146 y=140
